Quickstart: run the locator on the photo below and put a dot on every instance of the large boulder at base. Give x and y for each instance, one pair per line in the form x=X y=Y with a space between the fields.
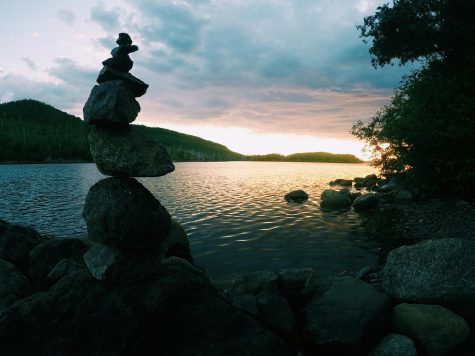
x=126 y=153
x=45 y=256
x=366 y=202
x=349 y=317
x=296 y=196
x=121 y=212
x=175 y=312
x=333 y=199
x=111 y=103
x=434 y=272
x=16 y=242
x=137 y=87
x=435 y=327
x=394 y=345
x=13 y=285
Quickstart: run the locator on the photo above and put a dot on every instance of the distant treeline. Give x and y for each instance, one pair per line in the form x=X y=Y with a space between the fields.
x=31 y=131
x=307 y=157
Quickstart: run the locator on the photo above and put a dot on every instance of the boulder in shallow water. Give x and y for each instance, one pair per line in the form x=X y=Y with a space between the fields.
x=366 y=202
x=394 y=345
x=111 y=103
x=435 y=272
x=296 y=196
x=435 y=327
x=334 y=199
x=121 y=212
x=342 y=182
x=124 y=152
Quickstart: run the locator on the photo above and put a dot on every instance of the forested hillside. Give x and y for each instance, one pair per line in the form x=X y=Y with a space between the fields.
x=308 y=157
x=31 y=131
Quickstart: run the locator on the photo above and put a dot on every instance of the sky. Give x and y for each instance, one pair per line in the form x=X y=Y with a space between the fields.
x=263 y=76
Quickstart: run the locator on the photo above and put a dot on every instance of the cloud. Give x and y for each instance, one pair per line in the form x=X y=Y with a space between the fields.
x=174 y=24
x=107 y=19
x=72 y=73
x=68 y=17
x=32 y=65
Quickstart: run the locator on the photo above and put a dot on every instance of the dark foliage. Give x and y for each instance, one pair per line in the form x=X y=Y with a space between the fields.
x=427 y=131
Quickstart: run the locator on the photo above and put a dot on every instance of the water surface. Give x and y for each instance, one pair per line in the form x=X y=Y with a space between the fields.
x=234 y=212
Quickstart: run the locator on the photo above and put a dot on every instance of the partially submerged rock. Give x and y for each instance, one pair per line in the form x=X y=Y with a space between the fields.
x=335 y=199
x=296 y=196
x=342 y=182
x=366 y=202
x=435 y=327
x=126 y=153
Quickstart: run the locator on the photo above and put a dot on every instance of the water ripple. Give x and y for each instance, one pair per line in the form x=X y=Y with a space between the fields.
x=234 y=212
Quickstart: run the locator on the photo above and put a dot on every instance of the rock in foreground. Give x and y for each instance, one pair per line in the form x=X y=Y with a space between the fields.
x=335 y=199
x=394 y=345
x=435 y=272
x=435 y=327
x=125 y=153
x=175 y=312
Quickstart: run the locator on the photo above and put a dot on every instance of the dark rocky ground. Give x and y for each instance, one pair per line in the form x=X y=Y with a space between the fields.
x=394 y=225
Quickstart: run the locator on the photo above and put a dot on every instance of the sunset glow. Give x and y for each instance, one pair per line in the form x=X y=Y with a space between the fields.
x=247 y=142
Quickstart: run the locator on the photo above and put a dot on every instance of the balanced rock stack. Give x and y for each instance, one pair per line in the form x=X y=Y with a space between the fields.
x=128 y=223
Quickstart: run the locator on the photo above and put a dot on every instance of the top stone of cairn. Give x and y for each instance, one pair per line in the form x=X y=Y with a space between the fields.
x=118 y=67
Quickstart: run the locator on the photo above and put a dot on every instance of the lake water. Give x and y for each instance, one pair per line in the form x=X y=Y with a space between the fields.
x=234 y=212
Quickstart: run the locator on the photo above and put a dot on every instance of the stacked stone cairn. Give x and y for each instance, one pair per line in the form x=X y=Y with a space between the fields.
x=128 y=223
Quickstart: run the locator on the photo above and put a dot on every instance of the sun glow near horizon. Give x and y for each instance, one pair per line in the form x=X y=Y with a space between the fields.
x=248 y=142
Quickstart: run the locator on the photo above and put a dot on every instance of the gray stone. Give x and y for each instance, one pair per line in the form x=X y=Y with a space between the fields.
x=137 y=87
x=332 y=199
x=175 y=312
x=45 y=256
x=111 y=103
x=435 y=327
x=124 y=152
x=366 y=202
x=348 y=317
x=404 y=197
x=296 y=196
x=13 y=285
x=121 y=212
x=435 y=272
x=394 y=345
